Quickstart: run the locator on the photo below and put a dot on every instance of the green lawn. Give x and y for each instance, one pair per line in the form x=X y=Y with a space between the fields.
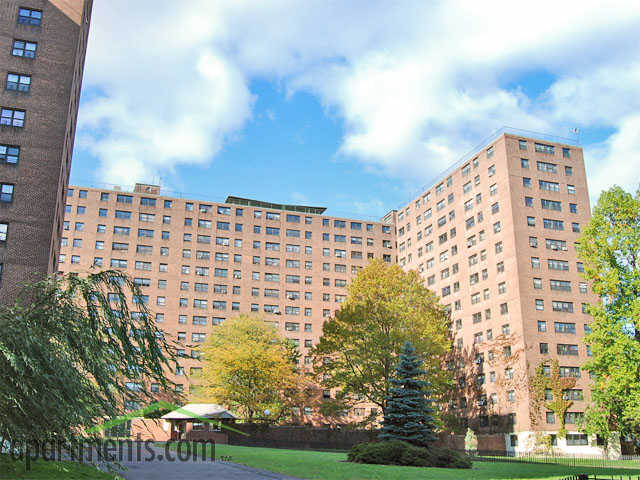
x=41 y=470
x=333 y=466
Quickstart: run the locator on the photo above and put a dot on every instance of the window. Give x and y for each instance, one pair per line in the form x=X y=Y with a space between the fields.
x=120 y=198
x=542 y=148
x=549 y=186
x=547 y=167
x=526 y=182
x=576 y=439
x=542 y=326
x=9 y=154
x=573 y=418
x=29 y=16
x=524 y=163
x=22 y=48
x=531 y=221
x=539 y=304
x=565 y=327
x=118 y=263
x=139 y=265
x=18 y=82
x=12 y=117
x=562 y=306
x=567 y=349
x=552 y=224
x=551 y=205
x=561 y=285
x=568 y=171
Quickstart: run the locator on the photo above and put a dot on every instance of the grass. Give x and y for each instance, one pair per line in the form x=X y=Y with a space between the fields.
x=314 y=465
x=44 y=470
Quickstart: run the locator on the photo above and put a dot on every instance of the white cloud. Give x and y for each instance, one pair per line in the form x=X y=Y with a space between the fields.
x=416 y=83
x=616 y=161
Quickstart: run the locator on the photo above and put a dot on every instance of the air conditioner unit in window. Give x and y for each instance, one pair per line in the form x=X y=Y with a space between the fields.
x=291 y=297
x=564 y=249
x=482 y=403
x=554 y=247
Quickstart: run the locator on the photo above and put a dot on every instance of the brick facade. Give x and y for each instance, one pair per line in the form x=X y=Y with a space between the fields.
x=40 y=175
x=479 y=237
x=289 y=267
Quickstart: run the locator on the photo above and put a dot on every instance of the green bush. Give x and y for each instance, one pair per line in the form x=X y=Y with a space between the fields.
x=396 y=452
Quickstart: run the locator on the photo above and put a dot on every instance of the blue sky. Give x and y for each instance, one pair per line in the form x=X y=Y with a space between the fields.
x=287 y=152
x=353 y=106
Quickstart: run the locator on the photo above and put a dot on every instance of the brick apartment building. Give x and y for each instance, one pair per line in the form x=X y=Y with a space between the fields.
x=495 y=239
x=199 y=263
x=42 y=50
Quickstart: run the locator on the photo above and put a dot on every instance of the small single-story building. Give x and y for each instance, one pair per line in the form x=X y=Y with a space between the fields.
x=199 y=421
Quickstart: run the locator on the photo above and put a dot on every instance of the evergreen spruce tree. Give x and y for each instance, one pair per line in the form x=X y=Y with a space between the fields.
x=409 y=416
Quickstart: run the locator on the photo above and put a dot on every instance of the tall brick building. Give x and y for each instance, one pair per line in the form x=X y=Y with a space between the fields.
x=495 y=239
x=42 y=50
x=199 y=263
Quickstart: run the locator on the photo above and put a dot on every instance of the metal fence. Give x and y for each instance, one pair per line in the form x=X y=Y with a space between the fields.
x=599 y=461
x=602 y=477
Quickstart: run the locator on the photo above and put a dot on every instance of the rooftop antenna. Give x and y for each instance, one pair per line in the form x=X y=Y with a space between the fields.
x=576 y=132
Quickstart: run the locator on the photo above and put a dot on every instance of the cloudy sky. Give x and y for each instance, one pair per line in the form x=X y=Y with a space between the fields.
x=349 y=104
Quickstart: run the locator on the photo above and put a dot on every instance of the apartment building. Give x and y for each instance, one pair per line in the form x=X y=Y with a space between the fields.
x=495 y=239
x=199 y=263
x=42 y=50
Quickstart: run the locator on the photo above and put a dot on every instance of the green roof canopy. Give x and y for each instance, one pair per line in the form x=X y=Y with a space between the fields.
x=276 y=206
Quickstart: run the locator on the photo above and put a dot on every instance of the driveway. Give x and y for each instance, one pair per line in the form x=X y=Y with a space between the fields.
x=161 y=469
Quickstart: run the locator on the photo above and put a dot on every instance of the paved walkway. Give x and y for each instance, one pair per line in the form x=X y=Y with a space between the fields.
x=161 y=469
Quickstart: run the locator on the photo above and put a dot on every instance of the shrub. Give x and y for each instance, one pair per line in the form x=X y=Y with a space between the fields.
x=396 y=452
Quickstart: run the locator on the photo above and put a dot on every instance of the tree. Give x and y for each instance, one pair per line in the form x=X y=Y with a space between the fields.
x=470 y=441
x=249 y=367
x=385 y=308
x=610 y=250
x=409 y=416
x=69 y=348
x=548 y=390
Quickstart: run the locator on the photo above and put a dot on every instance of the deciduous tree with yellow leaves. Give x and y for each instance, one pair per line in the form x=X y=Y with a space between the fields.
x=249 y=367
x=385 y=308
